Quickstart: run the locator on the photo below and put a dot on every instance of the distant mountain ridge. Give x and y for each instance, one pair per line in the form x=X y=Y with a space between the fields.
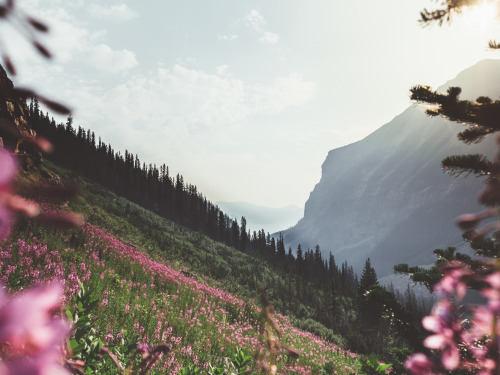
x=385 y=196
x=260 y=217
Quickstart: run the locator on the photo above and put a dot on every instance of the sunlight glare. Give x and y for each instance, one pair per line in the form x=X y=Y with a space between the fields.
x=481 y=15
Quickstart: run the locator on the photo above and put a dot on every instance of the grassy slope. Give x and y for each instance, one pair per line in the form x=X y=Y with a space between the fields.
x=160 y=281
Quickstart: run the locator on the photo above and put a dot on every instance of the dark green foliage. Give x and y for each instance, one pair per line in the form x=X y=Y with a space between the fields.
x=483 y=246
x=239 y=363
x=398 y=356
x=371 y=366
x=85 y=343
x=368 y=277
x=319 y=329
x=190 y=370
x=380 y=311
x=430 y=277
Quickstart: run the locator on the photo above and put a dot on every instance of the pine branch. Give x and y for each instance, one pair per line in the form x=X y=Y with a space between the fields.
x=431 y=276
x=445 y=14
x=482 y=116
x=476 y=164
x=492 y=44
x=483 y=246
x=440 y=15
x=474 y=134
x=424 y=94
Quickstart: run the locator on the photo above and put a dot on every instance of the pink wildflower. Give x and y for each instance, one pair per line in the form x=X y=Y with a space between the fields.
x=419 y=364
x=8 y=201
x=442 y=323
x=453 y=280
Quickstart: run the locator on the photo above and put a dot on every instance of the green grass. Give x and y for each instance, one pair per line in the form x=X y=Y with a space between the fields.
x=158 y=282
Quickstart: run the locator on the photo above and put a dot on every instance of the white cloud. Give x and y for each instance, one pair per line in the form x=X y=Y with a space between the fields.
x=269 y=37
x=72 y=43
x=103 y=57
x=192 y=102
x=227 y=37
x=222 y=70
x=256 y=22
x=120 y=12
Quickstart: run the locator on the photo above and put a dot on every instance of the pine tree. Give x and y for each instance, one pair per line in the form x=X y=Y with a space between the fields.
x=244 y=235
x=280 y=250
x=368 y=277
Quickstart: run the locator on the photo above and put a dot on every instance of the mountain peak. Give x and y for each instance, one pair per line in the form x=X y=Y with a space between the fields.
x=476 y=80
x=385 y=196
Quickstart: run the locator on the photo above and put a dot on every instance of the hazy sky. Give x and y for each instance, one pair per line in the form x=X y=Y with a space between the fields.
x=244 y=98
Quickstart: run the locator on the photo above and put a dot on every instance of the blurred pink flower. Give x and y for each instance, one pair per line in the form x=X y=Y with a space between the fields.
x=46 y=364
x=493 y=293
x=8 y=170
x=419 y=364
x=455 y=274
x=10 y=202
x=31 y=336
x=26 y=321
x=442 y=322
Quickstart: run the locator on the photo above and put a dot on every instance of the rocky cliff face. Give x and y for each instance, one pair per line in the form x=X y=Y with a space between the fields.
x=14 y=122
x=385 y=197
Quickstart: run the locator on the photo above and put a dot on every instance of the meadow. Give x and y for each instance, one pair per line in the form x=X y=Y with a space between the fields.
x=142 y=297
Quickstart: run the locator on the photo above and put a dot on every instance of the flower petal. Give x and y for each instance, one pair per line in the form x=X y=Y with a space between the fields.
x=450 y=358
x=8 y=167
x=419 y=364
x=436 y=342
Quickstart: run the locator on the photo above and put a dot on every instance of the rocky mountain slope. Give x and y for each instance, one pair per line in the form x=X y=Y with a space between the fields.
x=14 y=127
x=385 y=196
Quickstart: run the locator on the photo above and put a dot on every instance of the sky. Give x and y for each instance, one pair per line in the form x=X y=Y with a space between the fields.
x=243 y=98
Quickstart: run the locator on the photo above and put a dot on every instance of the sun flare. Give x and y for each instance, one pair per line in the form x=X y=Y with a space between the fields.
x=482 y=15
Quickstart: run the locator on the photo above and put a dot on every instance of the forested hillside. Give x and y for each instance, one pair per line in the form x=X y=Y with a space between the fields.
x=317 y=293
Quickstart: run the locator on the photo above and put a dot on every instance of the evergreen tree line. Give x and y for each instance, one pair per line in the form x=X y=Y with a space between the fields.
x=153 y=188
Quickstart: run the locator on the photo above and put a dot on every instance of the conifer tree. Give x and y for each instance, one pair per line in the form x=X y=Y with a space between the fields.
x=244 y=235
x=368 y=277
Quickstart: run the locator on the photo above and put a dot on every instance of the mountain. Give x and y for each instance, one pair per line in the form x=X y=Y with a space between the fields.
x=259 y=217
x=385 y=196
x=16 y=135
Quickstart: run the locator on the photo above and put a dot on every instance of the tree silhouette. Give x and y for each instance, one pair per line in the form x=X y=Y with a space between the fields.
x=368 y=277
